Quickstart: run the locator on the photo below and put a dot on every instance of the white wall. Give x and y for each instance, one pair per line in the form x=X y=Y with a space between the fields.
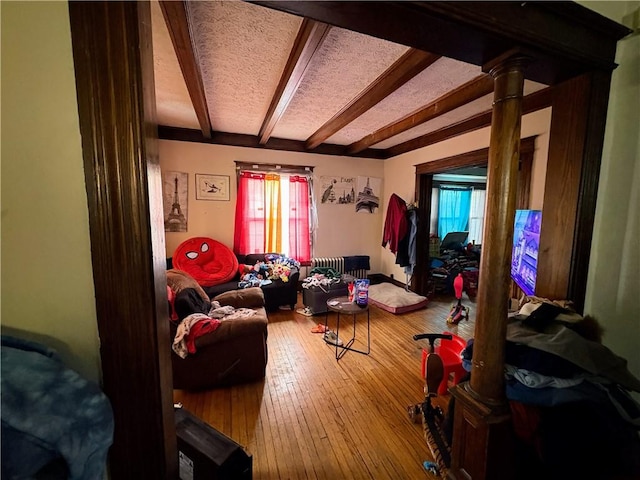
x=341 y=230
x=399 y=172
x=613 y=285
x=47 y=280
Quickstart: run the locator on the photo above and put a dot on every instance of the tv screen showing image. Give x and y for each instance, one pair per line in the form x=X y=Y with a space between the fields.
x=526 y=242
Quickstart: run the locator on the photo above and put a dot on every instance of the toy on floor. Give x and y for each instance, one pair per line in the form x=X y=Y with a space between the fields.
x=434 y=373
x=431 y=467
x=430 y=415
x=458 y=311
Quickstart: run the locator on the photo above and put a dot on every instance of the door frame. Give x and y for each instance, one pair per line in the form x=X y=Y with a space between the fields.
x=424 y=188
x=114 y=82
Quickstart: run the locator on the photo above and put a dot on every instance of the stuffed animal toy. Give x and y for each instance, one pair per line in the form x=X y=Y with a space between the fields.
x=280 y=271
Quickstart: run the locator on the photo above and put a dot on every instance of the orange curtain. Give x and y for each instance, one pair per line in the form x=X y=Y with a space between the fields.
x=273 y=214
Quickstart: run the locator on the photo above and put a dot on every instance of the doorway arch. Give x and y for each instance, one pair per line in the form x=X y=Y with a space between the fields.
x=424 y=187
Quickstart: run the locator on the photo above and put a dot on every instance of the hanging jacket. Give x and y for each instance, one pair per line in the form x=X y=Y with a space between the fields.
x=395 y=224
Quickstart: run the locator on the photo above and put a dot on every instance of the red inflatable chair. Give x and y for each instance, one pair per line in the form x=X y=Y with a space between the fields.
x=208 y=261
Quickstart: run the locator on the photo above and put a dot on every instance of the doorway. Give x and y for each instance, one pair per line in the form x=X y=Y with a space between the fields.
x=425 y=183
x=121 y=171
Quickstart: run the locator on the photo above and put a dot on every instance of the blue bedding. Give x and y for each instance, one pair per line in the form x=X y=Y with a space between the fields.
x=50 y=412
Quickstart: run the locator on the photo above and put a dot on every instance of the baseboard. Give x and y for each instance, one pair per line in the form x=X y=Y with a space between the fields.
x=376 y=278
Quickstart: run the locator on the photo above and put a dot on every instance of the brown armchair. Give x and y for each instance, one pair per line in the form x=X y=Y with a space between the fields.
x=236 y=352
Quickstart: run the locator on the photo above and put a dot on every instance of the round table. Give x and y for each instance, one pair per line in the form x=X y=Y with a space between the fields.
x=342 y=306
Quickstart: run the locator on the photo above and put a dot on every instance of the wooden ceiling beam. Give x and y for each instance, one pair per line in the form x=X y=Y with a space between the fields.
x=530 y=103
x=253 y=141
x=175 y=16
x=468 y=92
x=568 y=39
x=404 y=69
x=310 y=37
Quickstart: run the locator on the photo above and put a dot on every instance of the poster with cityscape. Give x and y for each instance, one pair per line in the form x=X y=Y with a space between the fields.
x=338 y=190
x=368 y=191
x=174 y=200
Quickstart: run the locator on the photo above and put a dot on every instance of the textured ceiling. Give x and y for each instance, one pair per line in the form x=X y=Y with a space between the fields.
x=347 y=63
x=173 y=103
x=241 y=51
x=442 y=76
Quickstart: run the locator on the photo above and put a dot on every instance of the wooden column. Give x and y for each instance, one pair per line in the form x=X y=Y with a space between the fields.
x=482 y=432
x=487 y=378
x=113 y=62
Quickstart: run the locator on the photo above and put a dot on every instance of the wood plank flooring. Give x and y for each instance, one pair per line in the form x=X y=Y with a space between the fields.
x=317 y=418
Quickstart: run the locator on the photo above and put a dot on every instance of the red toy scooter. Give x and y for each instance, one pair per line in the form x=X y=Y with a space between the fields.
x=458 y=311
x=432 y=416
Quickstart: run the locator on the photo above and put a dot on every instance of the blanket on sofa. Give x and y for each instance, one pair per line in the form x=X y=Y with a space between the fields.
x=48 y=412
x=199 y=324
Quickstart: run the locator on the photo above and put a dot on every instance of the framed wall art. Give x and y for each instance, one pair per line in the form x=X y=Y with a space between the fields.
x=175 y=197
x=368 y=194
x=338 y=190
x=212 y=187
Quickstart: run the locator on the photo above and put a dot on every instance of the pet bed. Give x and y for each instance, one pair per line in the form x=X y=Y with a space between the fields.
x=208 y=261
x=395 y=299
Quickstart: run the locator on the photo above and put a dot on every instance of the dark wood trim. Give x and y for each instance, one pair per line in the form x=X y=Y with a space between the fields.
x=474 y=158
x=420 y=279
x=309 y=39
x=122 y=179
x=175 y=16
x=563 y=30
x=531 y=103
x=476 y=122
x=251 y=141
x=445 y=183
x=404 y=69
x=588 y=189
x=377 y=278
x=567 y=39
x=562 y=187
x=425 y=183
x=469 y=91
x=275 y=167
x=114 y=80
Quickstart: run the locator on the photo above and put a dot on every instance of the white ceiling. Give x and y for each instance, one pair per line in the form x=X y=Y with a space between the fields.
x=242 y=49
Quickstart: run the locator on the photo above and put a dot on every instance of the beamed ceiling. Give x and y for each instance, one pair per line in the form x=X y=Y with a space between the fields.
x=237 y=73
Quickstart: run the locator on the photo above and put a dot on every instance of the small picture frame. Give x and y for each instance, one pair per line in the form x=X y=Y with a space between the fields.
x=212 y=187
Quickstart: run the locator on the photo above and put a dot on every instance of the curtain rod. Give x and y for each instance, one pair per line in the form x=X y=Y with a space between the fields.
x=274 y=167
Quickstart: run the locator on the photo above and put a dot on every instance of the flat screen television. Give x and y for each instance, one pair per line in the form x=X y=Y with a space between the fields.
x=526 y=243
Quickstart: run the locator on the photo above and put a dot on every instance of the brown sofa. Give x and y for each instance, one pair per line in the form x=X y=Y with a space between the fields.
x=236 y=352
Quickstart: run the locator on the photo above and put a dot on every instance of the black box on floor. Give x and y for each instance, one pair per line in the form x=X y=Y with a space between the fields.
x=205 y=453
x=315 y=298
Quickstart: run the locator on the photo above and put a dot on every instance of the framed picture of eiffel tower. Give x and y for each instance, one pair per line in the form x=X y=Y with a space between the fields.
x=175 y=198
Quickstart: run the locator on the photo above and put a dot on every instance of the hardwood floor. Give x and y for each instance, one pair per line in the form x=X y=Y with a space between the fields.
x=317 y=418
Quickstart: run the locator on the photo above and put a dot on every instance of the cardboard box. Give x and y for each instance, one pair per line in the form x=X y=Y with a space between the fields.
x=205 y=453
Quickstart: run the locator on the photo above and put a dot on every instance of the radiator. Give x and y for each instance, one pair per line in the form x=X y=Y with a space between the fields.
x=337 y=263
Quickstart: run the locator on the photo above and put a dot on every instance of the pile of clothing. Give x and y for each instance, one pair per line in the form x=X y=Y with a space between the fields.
x=276 y=267
x=569 y=395
x=322 y=277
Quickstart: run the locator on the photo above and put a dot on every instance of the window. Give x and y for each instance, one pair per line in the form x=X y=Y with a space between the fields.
x=476 y=216
x=273 y=214
x=475 y=224
x=453 y=209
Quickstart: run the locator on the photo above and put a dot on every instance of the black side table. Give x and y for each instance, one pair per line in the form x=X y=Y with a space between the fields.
x=342 y=306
